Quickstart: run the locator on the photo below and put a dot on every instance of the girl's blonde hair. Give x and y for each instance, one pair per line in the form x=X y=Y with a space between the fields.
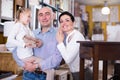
x=21 y=10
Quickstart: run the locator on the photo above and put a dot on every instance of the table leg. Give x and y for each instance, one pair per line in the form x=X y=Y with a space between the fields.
x=105 y=70
x=95 y=70
x=82 y=69
x=95 y=63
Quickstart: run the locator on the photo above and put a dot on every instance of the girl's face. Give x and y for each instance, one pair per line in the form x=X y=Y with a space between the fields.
x=25 y=18
x=66 y=24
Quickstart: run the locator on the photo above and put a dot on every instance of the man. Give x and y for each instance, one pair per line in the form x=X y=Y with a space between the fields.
x=48 y=52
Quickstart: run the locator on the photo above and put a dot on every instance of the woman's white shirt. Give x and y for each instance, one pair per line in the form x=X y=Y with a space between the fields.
x=70 y=51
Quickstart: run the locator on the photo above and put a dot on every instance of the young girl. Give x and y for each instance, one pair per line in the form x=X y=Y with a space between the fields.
x=20 y=34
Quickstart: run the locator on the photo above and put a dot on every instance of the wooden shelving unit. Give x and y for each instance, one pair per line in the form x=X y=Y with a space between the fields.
x=16 y=4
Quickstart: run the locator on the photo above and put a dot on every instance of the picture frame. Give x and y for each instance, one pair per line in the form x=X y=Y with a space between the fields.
x=7 y=9
x=34 y=21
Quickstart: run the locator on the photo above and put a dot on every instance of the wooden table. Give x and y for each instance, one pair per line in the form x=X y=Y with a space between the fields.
x=98 y=51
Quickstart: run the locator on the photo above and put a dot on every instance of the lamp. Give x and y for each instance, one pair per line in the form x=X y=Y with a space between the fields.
x=105 y=10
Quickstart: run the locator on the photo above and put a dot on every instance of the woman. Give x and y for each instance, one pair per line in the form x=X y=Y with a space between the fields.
x=67 y=45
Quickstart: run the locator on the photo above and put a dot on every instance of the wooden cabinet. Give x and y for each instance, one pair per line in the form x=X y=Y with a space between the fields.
x=2 y=39
x=7 y=63
x=17 y=4
x=20 y=2
x=6 y=10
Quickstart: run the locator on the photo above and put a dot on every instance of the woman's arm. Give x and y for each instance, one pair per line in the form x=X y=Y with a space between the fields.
x=70 y=51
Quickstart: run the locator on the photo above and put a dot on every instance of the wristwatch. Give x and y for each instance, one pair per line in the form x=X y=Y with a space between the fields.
x=37 y=69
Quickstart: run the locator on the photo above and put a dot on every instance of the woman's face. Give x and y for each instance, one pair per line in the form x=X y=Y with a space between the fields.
x=66 y=24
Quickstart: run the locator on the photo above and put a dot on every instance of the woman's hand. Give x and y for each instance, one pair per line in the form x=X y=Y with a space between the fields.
x=60 y=36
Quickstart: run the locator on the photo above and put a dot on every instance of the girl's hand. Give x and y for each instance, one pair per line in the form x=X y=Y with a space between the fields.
x=39 y=43
x=30 y=45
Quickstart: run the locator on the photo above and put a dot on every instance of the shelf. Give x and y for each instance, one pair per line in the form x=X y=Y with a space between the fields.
x=53 y=8
x=6 y=18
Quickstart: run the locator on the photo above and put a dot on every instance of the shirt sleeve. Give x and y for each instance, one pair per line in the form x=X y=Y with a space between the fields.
x=51 y=57
x=70 y=51
x=12 y=41
x=18 y=61
x=52 y=61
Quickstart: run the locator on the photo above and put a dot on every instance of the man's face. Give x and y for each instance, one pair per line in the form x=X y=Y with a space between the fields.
x=45 y=17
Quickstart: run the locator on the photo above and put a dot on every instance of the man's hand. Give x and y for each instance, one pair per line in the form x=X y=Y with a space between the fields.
x=29 y=66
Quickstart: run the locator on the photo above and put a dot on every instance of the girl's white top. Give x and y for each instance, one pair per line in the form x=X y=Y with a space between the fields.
x=15 y=39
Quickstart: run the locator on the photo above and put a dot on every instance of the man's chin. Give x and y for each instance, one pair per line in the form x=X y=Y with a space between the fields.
x=45 y=26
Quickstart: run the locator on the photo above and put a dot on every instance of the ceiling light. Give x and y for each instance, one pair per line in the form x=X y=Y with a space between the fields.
x=105 y=10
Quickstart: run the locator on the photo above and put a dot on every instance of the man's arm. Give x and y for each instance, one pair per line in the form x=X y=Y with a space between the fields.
x=26 y=66
x=18 y=61
x=13 y=50
x=51 y=62
x=51 y=58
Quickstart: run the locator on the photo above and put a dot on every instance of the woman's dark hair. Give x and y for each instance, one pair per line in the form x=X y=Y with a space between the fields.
x=67 y=13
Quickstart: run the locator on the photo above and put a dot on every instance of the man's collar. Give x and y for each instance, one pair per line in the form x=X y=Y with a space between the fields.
x=51 y=29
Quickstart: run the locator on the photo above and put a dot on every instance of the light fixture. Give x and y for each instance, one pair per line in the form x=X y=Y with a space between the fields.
x=105 y=10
